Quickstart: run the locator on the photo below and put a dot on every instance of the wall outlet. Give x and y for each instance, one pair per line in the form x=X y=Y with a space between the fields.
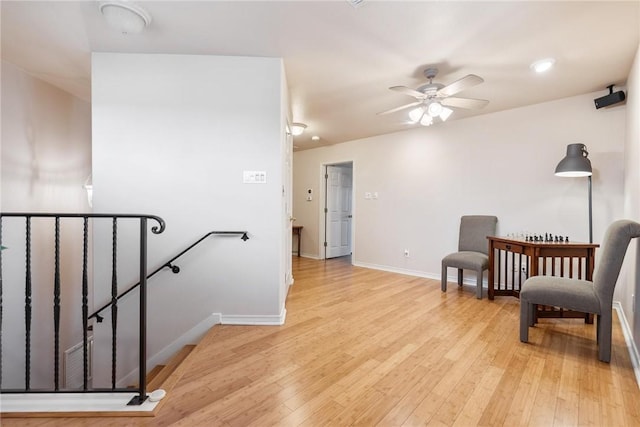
x=406 y=253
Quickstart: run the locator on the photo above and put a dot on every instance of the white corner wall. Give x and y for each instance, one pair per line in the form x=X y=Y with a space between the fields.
x=46 y=158
x=172 y=135
x=629 y=283
x=501 y=163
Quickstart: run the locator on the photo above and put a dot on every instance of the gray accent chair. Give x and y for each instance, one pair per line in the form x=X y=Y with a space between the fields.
x=581 y=295
x=473 y=249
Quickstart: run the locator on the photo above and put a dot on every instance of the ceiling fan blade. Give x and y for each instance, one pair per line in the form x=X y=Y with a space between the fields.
x=402 y=107
x=470 y=103
x=407 y=91
x=466 y=82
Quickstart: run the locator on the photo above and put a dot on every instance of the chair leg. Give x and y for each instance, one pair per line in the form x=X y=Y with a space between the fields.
x=604 y=336
x=443 y=284
x=532 y=314
x=460 y=271
x=479 y=284
x=525 y=310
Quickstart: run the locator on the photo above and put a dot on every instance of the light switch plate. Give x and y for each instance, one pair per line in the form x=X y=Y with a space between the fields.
x=254 y=177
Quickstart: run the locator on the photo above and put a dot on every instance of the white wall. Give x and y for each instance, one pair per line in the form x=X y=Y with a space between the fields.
x=501 y=164
x=46 y=158
x=629 y=282
x=172 y=135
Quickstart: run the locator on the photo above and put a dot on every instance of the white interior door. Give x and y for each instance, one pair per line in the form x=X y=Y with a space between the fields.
x=338 y=210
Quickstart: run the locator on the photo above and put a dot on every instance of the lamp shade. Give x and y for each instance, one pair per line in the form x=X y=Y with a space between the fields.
x=576 y=163
x=434 y=109
x=416 y=114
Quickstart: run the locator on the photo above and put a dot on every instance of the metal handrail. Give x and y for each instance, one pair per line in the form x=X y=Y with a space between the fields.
x=154 y=229
x=174 y=268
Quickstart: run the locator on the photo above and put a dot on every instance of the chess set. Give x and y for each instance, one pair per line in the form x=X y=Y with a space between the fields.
x=539 y=238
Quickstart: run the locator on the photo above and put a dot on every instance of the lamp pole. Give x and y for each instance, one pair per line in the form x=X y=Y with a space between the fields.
x=590 y=213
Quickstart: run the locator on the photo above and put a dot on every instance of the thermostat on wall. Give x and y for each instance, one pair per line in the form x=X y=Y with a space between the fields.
x=254 y=177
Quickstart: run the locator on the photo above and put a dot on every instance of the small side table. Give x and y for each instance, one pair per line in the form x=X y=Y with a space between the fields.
x=297 y=230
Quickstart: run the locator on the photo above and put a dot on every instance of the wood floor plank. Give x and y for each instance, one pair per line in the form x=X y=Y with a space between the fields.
x=522 y=402
x=368 y=347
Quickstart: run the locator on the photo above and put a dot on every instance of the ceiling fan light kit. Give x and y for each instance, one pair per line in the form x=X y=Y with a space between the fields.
x=432 y=98
x=426 y=113
x=124 y=16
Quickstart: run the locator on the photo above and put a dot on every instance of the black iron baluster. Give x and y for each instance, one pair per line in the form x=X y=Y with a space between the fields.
x=56 y=307
x=114 y=301
x=142 y=367
x=27 y=307
x=85 y=307
x=143 y=310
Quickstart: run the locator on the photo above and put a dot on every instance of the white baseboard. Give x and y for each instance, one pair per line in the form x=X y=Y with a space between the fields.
x=276 y=320
x=628 y=338
x=192 y=336
x=470 y=281
x=408 y=272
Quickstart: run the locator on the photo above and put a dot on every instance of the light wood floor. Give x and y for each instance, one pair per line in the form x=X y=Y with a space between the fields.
x=366 y=347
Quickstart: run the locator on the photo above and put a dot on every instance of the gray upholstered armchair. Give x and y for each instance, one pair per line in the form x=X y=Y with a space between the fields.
x=581 y=295
x=473 y=249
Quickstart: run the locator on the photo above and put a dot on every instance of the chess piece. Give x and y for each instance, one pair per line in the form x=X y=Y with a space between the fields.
x=566 y=239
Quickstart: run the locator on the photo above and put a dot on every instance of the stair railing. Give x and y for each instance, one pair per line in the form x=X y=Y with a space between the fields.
x=28 y=217
x=113 y=303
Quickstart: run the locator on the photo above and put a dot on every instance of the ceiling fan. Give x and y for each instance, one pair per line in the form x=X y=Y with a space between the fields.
x=432 y=99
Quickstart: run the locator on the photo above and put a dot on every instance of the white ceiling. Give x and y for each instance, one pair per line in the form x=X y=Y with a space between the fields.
x=341 y=60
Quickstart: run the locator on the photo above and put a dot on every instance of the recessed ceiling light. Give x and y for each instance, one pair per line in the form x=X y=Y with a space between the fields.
x=315 y=138
x=543 y=65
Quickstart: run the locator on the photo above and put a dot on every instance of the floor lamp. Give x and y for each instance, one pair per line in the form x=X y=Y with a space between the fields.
x=577 y=164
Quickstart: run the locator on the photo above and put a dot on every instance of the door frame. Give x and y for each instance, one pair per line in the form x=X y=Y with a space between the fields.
x=322 y=224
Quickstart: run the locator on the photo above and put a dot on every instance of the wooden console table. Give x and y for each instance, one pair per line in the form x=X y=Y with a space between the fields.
x=512 y=261
x=297 y=230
